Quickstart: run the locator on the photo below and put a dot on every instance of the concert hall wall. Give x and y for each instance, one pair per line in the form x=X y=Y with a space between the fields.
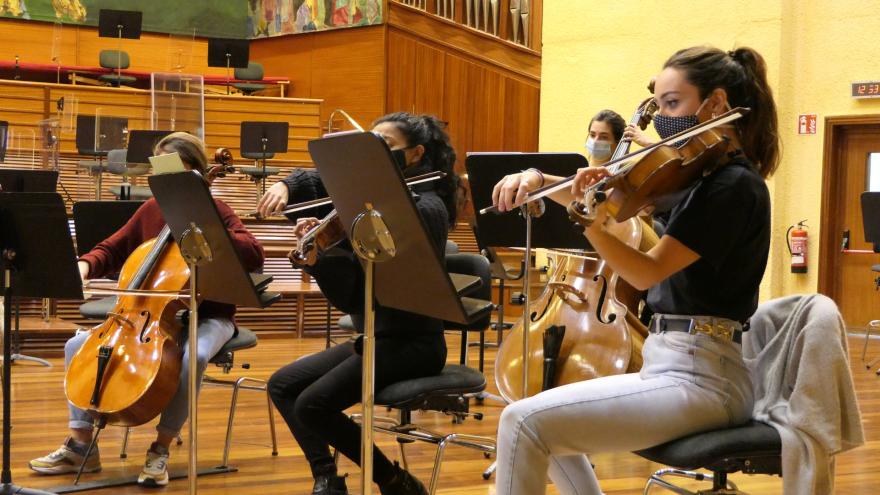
x=814 y=50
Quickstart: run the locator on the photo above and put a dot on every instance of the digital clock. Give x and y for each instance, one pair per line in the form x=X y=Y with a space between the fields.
x=866 y=89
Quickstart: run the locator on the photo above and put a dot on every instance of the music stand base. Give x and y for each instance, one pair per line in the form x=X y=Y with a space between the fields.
x=130 y=480
x=10 y=489
x=25 y=357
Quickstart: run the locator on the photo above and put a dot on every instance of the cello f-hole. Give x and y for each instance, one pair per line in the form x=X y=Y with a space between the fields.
x=142 y=338
x=601 y=302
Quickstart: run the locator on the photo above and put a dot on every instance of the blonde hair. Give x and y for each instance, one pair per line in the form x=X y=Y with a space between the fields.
x=190 y=148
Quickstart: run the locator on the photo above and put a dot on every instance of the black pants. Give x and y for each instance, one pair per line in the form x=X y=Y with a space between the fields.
x=312 y=392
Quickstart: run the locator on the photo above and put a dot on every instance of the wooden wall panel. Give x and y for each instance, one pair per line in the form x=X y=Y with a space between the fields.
x=345 y=68
x=80 y=45
x=487 y=106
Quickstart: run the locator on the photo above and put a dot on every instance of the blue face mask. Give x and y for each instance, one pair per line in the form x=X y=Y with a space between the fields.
x=599 y=150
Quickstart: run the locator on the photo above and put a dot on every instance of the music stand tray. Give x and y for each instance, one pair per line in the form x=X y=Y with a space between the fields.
x=120 y=24
x=95 y=221
x=28 y=180
x=871 y=216
x=227 y=52
x=114 y=129
x=264 y=138
x=141 y=144
x=36 y=263
x=553 y=229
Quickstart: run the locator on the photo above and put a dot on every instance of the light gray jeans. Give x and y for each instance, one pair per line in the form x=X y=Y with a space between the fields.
x=213 y=334
x=688 y=384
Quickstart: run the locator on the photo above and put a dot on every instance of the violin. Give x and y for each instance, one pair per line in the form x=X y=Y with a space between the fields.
x=223 y=165
x=329 y=232
x=659 y=173
x=595 y=309
x=129 y=367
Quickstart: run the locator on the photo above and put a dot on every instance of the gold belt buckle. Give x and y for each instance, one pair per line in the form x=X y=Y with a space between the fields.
x=721 y=329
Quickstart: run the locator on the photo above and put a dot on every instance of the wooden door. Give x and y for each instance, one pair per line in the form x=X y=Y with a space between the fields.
x=849 y=277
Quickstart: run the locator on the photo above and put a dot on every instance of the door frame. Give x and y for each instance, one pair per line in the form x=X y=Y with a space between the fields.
x=829 y=225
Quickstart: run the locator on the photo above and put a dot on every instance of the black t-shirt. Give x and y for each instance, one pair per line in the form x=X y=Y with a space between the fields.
x=726 y=220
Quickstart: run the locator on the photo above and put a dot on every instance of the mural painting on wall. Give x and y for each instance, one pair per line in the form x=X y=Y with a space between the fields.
x=280 y=17
x=211 y=18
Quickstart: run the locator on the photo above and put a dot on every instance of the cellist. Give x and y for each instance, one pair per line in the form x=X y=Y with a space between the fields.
x=704 y=274
x=216 y=325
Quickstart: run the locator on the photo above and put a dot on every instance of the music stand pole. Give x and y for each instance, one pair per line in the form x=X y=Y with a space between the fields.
x=119 y=55
x=228 y=58
x=372 y=242
x=263 y=142
x=526 y=317
x=195 y=250
x=6 y=486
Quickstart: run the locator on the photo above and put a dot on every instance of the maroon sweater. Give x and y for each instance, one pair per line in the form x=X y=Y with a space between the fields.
x=110 y=254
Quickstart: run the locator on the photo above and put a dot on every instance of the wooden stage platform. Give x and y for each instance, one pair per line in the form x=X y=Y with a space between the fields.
x=40 y=418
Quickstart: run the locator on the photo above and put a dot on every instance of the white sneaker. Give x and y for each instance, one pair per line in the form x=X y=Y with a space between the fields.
x=67 y=460
x=155 y=471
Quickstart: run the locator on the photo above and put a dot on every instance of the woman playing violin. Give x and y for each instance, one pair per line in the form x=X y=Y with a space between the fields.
x=702 y=277
x=312 y=392
x=216 y=325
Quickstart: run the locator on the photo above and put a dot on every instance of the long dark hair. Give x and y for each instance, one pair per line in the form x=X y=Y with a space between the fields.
x=743 y=74
x=430 y=132
x=618 y=125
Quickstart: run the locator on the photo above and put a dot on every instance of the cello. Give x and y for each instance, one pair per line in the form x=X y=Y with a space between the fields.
x=128 y=368
x=598 y=309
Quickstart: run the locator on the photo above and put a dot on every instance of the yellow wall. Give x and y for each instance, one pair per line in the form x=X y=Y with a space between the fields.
x=602 y=56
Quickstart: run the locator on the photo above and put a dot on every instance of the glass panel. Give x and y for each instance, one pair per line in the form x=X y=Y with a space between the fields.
x=178 y=102
x=874 y=171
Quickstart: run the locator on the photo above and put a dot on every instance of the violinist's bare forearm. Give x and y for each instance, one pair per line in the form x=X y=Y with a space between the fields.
x=562 y=196
x=642 y=270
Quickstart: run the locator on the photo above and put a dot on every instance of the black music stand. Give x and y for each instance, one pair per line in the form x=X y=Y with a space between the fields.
x=28 y=180
x=141 y=144
x=119 y=24
x=554 y=228
x=33 y=181
x=264 y=138
x=95 y=221
x=402 y=265
x=226 y=52
x=216 y=270
x=4 y=131
x=36 y=263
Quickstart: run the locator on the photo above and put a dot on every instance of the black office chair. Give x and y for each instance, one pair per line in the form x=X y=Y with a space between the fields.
x=450 y=391
x=476 y=265
x=754 y=448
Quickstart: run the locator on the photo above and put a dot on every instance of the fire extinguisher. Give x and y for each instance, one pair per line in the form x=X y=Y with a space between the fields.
x=796 y=238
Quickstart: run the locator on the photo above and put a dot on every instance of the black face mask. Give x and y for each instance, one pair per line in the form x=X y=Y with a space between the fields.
x=399 y=158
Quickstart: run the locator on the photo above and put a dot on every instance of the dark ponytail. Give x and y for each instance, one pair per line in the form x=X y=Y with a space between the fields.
x=430 y=132
x=743 y=74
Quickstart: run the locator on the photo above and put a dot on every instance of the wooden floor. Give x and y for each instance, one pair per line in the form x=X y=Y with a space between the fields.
x=40 y=418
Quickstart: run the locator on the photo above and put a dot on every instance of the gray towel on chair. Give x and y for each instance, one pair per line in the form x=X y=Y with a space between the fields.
x=797 y=353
